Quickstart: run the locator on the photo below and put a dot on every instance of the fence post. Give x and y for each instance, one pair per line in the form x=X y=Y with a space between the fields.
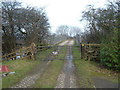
x=33 y=50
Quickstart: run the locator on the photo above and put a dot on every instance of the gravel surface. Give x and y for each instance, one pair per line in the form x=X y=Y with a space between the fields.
x=64 y=43
x=67 y=77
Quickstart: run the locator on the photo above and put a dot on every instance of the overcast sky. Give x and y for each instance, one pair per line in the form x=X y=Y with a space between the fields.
x=64 y=12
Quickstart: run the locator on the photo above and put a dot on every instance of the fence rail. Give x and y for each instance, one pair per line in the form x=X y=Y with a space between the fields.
x=15 y=52
x=21 y=52
x=90 y=51
x=91 y=44
x=24 y=52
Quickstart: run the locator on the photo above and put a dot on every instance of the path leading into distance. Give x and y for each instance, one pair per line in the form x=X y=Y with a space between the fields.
x=67 y=78
x=66 y=75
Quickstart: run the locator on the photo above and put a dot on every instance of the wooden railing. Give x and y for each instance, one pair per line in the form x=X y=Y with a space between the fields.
x=25 y=52
x=22 y=53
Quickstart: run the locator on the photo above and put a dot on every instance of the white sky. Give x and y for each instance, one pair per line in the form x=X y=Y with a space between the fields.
x=64 y=12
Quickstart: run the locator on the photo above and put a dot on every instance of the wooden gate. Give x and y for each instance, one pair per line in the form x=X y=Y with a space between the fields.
x=90 y=51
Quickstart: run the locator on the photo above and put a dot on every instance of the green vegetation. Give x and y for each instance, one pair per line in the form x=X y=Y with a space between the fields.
x=49 y=78
x=21 y=68
x=104 y=28
x=0 y=79
x=110 y=51
x=82 y=70
x=97 y=71
x=109 y=56
x=87 y=70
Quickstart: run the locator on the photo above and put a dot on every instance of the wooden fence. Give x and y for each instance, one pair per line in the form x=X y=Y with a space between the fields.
x=26 y=52
x=21 y=53
x=90 y=51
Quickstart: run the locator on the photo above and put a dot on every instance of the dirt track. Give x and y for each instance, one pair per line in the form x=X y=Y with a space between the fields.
x=67 y=78
x=30 y=79
x=67 y=42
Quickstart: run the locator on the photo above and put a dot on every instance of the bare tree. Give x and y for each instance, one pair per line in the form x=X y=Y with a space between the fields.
x=28 y=24
x=69 y=31
x=63 y=29
x=8 y=22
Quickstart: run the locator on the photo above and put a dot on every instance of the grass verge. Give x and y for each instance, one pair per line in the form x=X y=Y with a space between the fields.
x=49 y=78
x=82 y=72
x=87 y=70
x=22 y=68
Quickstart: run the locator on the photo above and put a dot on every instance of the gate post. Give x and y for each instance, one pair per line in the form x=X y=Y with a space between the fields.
x=82 y=50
